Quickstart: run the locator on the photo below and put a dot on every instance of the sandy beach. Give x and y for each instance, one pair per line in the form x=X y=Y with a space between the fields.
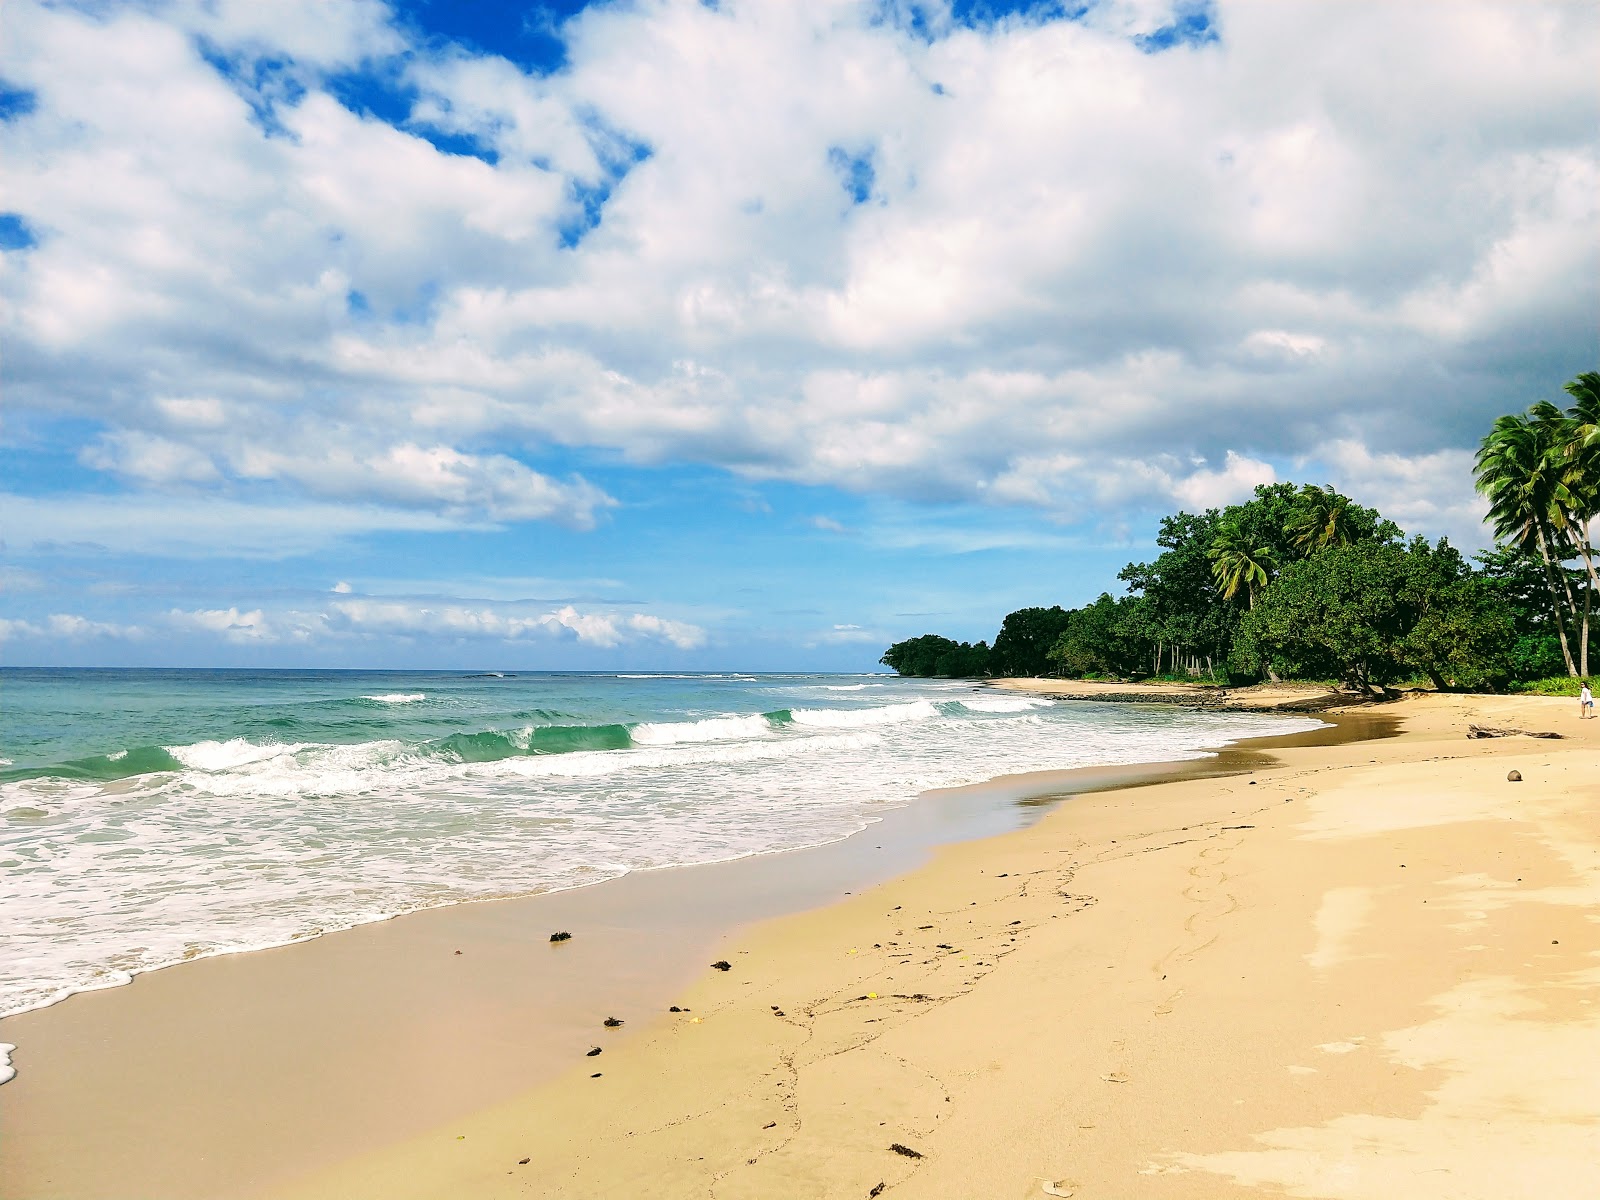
x=1351 y=969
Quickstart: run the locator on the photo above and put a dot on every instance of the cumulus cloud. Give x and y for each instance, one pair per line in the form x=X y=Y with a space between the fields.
x=1235 y=481
x=232 y=624
x=1061 y=264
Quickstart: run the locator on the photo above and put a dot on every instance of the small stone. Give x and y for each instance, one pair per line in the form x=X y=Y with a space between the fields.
x=1514 y=776
x=593 y=1052
x=674 y=1008
x=612 y=1022
x=563 y=936
x=905 y=1150
x=522 y=1162
x=458 y=952
x=722 y=965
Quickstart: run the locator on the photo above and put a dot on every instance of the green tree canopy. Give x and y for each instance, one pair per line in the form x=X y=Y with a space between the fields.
x=1022 y=647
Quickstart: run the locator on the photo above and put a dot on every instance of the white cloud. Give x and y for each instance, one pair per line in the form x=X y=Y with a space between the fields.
x=1271 y=343
x=228 y=623
x=847 y=635
x=1077 y=267
x=602 y=629
x=150 y=459
x=1235 y=482
x=66 y=626
x=178 y=526
x=679 y=633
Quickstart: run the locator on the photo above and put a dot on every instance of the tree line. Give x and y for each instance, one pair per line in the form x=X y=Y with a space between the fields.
x=1301 y=582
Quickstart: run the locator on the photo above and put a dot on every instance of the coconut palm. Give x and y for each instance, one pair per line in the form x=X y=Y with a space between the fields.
x=1322 y=520
x=1519 y=470
x=1580 y=428
x=1236 y=564
x=1585 y=411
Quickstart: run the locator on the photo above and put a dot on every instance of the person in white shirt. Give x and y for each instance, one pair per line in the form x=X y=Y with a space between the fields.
x=1585 y=702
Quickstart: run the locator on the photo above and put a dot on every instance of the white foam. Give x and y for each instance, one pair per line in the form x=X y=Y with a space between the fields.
x=1003 y=704
x=592 y=764
x=712 y=729
x=856 y=718
x=7 y=1071
x=231 y=754
x=398 y=697
x=848 y=687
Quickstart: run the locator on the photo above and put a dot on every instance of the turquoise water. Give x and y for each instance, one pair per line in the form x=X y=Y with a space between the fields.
x=147 y=817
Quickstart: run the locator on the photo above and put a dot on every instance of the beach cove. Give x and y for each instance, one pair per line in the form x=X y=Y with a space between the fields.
x=1353 y=970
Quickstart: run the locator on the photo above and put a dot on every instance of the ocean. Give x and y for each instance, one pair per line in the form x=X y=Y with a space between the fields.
x=148 y=817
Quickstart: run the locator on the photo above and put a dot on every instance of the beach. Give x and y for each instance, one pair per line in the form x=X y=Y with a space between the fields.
x=1357 y=967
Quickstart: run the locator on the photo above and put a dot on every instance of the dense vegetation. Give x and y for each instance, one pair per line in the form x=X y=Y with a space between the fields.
x=1301 y=582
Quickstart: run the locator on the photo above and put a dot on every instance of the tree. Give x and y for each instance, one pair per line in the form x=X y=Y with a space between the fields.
x=1184 y=616
x=1579 y=431
x=1022 y=647
x=931 y=655
x=1516 y=577
x=1322 y=518
x=1100 y=639
x=1518 y=470
x=1371 y=610
x=1235 y=564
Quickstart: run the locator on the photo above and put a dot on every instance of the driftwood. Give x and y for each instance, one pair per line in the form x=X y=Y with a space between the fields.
x=1489 y=731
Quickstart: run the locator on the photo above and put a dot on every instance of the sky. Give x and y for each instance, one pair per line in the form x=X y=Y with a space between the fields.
x=722 y=334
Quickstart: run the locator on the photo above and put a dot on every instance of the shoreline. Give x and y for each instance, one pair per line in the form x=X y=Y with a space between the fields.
x=168 y=1031
x=1281 y=698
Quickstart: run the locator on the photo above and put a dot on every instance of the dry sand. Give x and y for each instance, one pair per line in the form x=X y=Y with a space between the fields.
x=1368 y=970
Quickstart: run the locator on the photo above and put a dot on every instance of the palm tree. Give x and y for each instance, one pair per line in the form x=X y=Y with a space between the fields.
x=1236 y=564
x=1519 y=470
x=1585 y=411
x=1323 y=521
x=1580 y=429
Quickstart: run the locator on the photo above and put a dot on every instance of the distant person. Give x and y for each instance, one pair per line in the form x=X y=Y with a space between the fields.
x=1585 y=702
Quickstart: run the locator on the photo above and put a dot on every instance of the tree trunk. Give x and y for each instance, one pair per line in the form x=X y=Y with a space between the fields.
x=1583 y=634
x=1555 y=601
x=1586 y=549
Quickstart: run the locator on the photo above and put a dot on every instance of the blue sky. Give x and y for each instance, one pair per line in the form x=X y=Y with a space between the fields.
x=689 y=335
